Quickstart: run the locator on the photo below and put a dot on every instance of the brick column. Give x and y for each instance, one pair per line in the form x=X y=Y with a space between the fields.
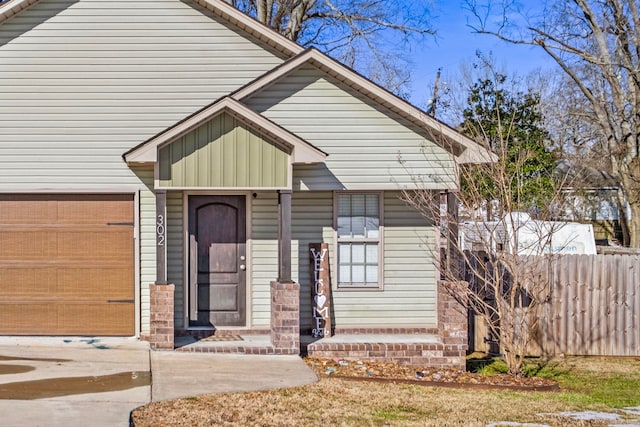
x=162 y=328
x=285 y=317
x=452 y=324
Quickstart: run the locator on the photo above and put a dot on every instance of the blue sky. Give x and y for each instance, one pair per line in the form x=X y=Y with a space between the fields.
x=456 y=44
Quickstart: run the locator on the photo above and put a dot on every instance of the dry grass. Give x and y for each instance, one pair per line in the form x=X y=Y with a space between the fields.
x=346 y=403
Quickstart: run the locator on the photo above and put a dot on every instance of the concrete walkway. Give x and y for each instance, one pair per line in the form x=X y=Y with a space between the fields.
x=178 y=375
x=97 y=382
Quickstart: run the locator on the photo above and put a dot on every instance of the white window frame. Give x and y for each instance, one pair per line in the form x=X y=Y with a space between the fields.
x=379 y=240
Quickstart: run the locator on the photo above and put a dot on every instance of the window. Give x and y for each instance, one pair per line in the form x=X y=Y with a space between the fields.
x=358 y=223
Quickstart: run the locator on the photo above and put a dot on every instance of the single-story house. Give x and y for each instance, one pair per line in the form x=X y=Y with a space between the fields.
x=165 y=164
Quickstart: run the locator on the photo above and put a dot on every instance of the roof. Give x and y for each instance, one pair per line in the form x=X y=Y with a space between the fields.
x=302 y=151
x=13 y=7
x=465 y=149
x=573 y=174
x=217 y=7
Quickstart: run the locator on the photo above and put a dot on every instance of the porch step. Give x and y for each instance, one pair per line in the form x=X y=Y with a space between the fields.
x=408 y=349
x=244 y=344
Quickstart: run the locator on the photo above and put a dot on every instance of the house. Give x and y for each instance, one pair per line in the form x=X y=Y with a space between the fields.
x=591 y=195
x=164 y=165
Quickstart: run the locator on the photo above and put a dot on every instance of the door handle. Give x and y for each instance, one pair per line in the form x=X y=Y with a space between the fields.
x=243 y=267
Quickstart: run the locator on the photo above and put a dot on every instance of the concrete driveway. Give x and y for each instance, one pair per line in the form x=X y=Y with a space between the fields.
x=98 y=381
x=47 y=381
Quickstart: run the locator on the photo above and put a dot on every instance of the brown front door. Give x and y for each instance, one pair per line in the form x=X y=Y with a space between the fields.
x=217 y=260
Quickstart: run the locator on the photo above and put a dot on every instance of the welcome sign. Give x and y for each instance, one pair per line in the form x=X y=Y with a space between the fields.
x=320 y=289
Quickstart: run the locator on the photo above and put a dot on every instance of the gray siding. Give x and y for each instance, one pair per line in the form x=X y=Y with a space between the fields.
x=368 y=148
x=85 y=81
x=264 y=255
x=409 y=294
x=312 y=222
x=147 y=242
x=409 y=267
x=175 y=252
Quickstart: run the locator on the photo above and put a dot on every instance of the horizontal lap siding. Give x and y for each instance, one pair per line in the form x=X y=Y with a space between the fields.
x=84 y=81
x=312 y=222
x=264 y=255
x=409 y=294
x=175 y=252
x=147 y=242
x=410 y=271
x=369 y=149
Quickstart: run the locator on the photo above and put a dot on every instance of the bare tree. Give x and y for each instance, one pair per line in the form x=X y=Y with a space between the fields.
x=596 y=44
x=498 y=264
x=500 y=269
x=367 y=35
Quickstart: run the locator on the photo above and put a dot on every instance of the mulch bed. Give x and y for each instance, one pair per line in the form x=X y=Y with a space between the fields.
x=359 y=370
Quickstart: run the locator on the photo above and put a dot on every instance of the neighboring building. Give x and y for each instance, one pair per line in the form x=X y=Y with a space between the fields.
x=591 y=196
x=518 y=233
x=180 y=141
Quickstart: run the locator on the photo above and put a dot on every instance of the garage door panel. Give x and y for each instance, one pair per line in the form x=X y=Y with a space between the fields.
x=26 y=318
x=21 y=282
x=21 y=245
x=67 y=319
x=95 y=211
x=110 y=244
x=81 y=282
x=109 y=319
x=65 y=209
x=22 y=211
x=66 y=265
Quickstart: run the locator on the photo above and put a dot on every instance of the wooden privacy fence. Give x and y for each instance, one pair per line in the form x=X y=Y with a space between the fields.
x=592 y=308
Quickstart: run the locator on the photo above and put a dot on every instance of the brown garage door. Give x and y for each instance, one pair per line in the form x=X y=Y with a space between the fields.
x=66 y=265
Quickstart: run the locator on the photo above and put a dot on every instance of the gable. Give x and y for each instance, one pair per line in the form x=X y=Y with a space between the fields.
x=83 y=81
x=223 y=153
x=369 y=148
x=86 y=80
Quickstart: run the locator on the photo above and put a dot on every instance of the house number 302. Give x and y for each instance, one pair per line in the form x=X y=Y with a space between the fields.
x=160 y=230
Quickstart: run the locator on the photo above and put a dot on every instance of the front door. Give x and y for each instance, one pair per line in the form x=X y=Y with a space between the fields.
x=217 y=260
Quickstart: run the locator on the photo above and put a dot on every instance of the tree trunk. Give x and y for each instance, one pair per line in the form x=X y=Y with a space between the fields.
x=633 y=225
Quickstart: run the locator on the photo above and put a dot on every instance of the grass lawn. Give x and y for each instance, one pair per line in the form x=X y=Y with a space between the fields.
x=601 y=384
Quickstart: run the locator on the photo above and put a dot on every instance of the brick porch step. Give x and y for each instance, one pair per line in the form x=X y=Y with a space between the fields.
x=407 y=349
x=247 y=344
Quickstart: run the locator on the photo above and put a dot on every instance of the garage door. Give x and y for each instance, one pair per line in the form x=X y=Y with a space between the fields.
x=66 y=265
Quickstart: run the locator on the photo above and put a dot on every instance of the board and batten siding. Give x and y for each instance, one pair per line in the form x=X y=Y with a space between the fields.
x=83 y=81
x=369 y=149
x=223 y=153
